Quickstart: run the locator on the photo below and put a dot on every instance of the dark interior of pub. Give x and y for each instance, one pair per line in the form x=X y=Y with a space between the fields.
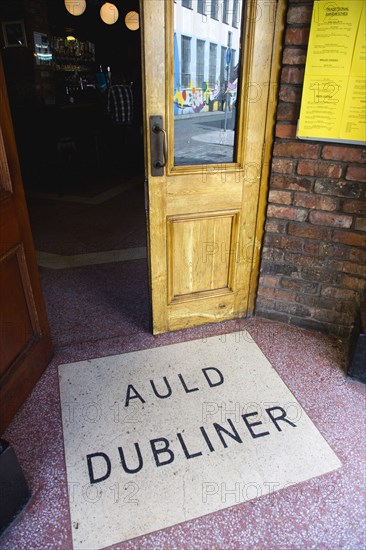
x=60 y=71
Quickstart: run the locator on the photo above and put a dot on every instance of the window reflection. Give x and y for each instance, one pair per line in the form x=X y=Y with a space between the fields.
x=214 y=9
x=206 y=61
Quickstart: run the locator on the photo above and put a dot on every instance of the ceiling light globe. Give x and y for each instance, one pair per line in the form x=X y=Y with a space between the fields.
x=109 y=13
x=132 y=21
x=75 y=7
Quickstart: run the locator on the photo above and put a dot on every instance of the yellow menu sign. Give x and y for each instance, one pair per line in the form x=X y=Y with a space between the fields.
x=333 y=105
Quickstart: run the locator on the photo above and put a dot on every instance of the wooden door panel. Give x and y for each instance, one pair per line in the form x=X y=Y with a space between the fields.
x=201 y=250
x=25 y=342
x=214 y=190
x=201 y=311
x=16 y=336
x=204 y=220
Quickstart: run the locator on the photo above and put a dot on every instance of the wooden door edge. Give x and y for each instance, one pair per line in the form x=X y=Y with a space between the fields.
x=37 y=357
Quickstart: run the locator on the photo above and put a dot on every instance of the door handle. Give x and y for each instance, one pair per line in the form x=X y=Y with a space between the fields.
x=157 y=130
x=158 y=146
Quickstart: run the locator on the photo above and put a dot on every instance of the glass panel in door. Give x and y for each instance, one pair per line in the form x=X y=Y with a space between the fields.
x=207 y=39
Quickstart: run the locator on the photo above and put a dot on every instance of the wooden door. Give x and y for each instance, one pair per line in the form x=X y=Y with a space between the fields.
x=206 y=210
x=25 y=344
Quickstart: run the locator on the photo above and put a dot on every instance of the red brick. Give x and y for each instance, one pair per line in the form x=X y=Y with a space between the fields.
x=281 y=197
x=283 y=166
x=312 y=247
x=272 y=254
x=339 y=293
x=320 y=276
x=292 y=284
x=292 y=75
x=307 y=231
x=276 y=268
x=297 y=36
x=299 y=15
x=288 y=111
x=303 y=260
x=308 y=200
x=294 y=56
x=269 y=280
x=287 y=212
x=357 y=255
x=332 y=219
x=360 y=224
x=287 y=295
x=291 y=183
x=275 y=226
x=264 y=304
x=354 y=283
x=300 y=286
x=266 y=291
x=347 y=267
x=293 y=309
x=319 y=168
x=345 y=154
x=288 y=243
x=289 y=94
x=279 y=294
x=296 y=150
x=325 y=302
x=286 y=131
x=272 y=240
x=339 y=188
x=332 y=317
x=348 y=237
x=332 y=250
x=356 y=173
x=354 y=207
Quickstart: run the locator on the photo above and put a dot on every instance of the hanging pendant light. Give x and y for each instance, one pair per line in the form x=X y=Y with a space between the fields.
x=132 y=21
x=109 y=13
x=75 y=7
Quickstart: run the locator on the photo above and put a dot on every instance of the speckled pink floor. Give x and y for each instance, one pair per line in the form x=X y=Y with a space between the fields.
x=92 y=319
x=327 y=512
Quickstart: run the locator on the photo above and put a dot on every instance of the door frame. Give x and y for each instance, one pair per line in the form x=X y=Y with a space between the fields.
x=276 y=64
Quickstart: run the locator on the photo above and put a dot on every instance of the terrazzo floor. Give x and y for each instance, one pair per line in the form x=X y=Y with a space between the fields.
x=102 y=310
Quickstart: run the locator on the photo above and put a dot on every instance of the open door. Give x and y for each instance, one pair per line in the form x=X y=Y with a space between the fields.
x=207 y=70
x=25 y=344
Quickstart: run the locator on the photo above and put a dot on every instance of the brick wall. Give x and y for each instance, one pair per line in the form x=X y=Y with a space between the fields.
x=313 y=270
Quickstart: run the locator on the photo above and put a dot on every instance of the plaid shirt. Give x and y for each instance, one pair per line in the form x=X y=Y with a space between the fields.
x=120 y=103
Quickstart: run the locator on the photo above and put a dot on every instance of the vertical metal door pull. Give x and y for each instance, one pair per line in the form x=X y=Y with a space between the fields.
x=159 y=147
x=157 y=130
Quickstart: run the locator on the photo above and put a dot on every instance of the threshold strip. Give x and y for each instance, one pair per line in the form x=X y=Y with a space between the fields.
x=97 y=199
x=58 y=261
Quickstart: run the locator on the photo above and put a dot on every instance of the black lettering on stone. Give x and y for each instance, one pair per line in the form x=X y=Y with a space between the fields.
x=124 y=464
x=233 y=434
x=275 y=419
x=157 y=393
x=206 y=438
x=130 y=388
x=250 y=425
x=210 y=383
x=185 y=450
x=92 y=478
x=186 y=389
x=165 y=449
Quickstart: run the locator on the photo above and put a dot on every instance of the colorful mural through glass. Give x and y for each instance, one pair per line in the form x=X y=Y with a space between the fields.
x=206 y=71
